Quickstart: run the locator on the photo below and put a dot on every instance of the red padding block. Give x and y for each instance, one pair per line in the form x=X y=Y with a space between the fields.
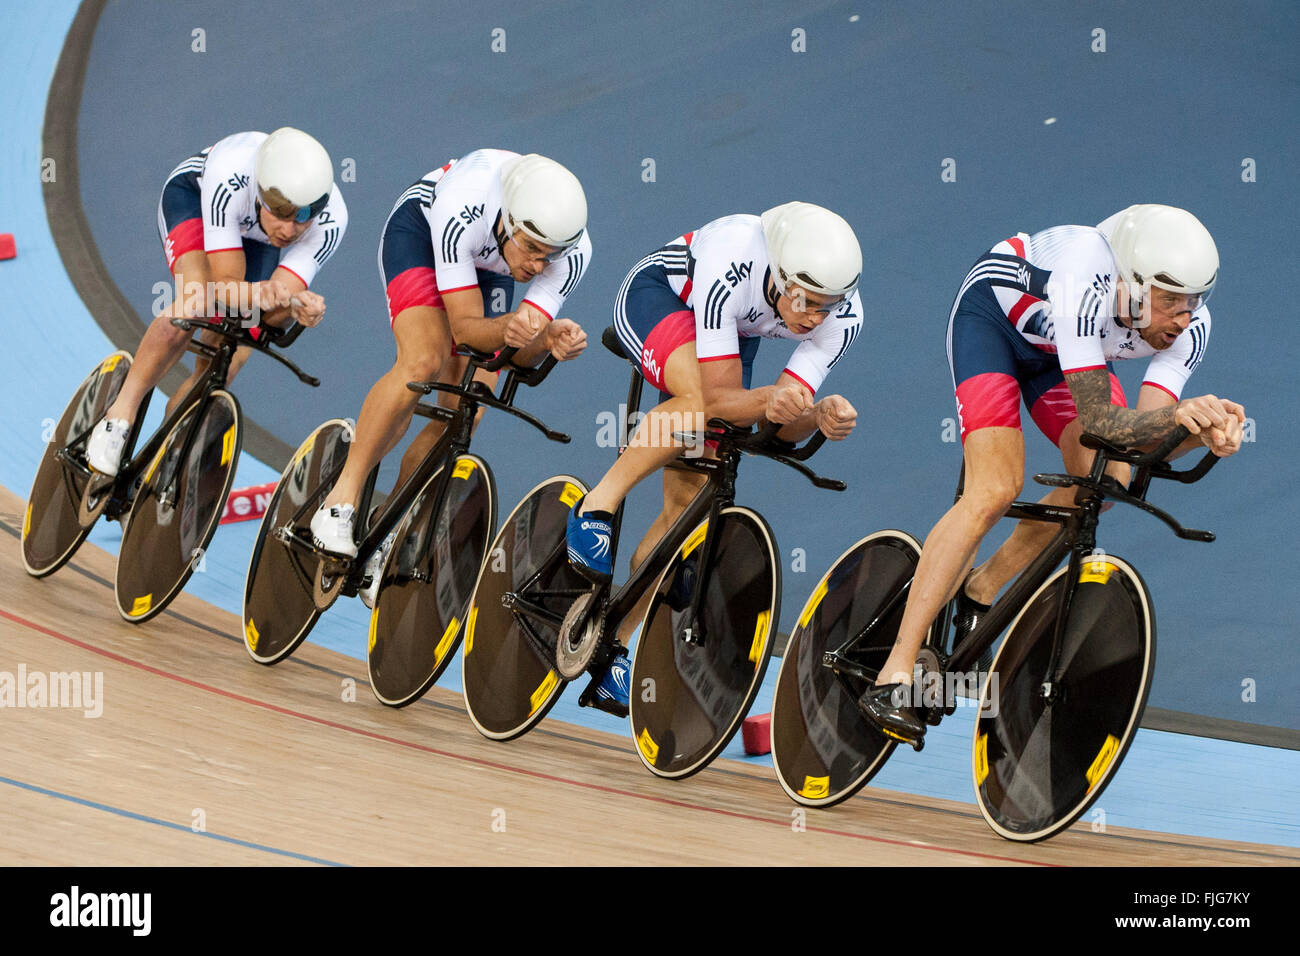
x=757 y=734
x=7 y=247
x=245 y=504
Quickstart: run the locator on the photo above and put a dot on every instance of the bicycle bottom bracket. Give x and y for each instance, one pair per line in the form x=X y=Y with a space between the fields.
x=579 y=636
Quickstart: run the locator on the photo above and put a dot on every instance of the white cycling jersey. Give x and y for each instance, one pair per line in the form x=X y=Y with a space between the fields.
x=721 y=271
x=1061 y=297
x=225 y=176
x=462 y=202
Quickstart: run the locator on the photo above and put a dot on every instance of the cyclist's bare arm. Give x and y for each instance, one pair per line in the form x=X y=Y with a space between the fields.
x=1214 y=422
x=274 y=296
x=526 y=328
x=788 y=402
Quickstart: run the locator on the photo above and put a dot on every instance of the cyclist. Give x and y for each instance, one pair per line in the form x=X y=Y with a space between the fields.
x=694 y=312
x=453 y=247
x=245 y=224
x=1041 y=317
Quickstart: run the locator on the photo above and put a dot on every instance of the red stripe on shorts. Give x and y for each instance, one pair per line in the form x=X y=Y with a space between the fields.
x=990 y=400
x=414 y=287
x=186 y=237
x=669 y=334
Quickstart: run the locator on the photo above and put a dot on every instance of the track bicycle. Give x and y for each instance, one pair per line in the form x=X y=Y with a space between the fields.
x=535 y=624
x=170 y=495
x=1067 y=688
x=442 y=518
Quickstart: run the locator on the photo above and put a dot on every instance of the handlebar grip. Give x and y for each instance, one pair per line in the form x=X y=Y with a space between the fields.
x=497 y=362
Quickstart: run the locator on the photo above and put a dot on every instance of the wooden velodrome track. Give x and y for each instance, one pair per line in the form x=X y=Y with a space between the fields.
x=284 y=770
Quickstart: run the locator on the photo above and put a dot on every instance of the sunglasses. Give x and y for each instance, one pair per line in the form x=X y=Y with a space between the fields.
x=286 y=210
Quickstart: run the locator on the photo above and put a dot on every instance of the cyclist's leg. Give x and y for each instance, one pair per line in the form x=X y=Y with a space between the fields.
x=163 y=344
x=680 y=487
x=995 y=466
x=498 y=293
x=423 y=342
x=419 y=322
x=652 y=445
x=986 y=361
x=1053 y=410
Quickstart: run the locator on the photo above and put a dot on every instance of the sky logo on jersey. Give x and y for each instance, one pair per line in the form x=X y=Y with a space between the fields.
x=737 y=273
x=470 y=213
x=750 y=316
x=650 y=365
x=237 y=182
x=487 y=251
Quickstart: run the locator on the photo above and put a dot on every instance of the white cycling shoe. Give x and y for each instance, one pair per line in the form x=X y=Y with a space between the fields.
x=104 y=449
x=331 y=530
x=375 y=568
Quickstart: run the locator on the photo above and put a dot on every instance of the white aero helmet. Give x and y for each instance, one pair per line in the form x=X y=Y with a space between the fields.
x=1161 y=246
x=812 y=247
x=294 y=174
x=544 y=200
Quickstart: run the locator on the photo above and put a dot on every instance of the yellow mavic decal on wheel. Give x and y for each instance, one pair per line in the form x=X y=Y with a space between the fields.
x=109 y=364
x=250 y=634
x=448 y=636
x=228 y=445
x=1098 y=571
x=760 y=638
x=813 y=601
x=814 y=788
x=304 y=448
x=374 y=630
x=469 y=629
x=981 y=758
x=27 y=521
x=646 y=744
x=694 y=540
x=141 y=605
x=570 y=494
x=1104 y=757
x=464 y=468
x=542 y=692
x=157 y=460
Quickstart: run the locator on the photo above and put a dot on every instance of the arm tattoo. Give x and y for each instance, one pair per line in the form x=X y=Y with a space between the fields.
x=1122 y=426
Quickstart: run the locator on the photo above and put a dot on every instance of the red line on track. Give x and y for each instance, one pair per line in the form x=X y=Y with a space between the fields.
x=479 y=760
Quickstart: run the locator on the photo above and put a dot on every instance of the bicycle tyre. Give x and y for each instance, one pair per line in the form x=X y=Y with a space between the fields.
x=1039 y=766
x=177 y=507
x=698 y=694
x=509 y=676
x=279 y=610
x=51 y=531
x=416 y=626
x=823 y=748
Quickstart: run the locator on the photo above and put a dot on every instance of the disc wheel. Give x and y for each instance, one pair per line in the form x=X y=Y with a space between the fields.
x=279 y=608
x=1040 y=762
x=51 y=530
x=509 y=673
x=688 y=699
x=177 y=508
x=427 y=582
x=823 y=748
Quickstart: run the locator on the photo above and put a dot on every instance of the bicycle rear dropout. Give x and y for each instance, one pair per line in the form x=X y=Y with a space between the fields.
x=1066 y=690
